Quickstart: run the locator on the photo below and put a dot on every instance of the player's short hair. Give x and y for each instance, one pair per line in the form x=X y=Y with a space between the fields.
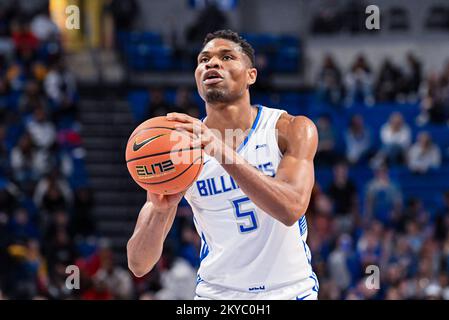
x=234 y=37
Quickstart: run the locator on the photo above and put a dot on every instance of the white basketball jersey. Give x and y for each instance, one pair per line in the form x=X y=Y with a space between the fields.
x=244 y=248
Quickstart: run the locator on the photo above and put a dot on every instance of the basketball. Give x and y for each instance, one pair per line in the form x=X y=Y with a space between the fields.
x=160 y=159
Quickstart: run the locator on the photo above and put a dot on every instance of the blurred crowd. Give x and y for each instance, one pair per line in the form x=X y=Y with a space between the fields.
x=45 y=200
x=355 y=225
x=395 y=84
x=405 y=241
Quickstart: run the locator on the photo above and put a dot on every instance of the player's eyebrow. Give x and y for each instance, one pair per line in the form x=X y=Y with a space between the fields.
x=202 y=53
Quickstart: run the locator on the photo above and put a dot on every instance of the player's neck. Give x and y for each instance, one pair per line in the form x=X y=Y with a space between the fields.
x=231 y=116
x=236 y=117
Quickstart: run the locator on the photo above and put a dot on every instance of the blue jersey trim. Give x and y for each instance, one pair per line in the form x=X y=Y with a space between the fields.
x=204 y=251
x=302 y=223
x=253 y=127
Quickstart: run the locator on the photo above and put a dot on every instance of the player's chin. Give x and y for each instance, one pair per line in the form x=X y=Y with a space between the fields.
x=215 y=95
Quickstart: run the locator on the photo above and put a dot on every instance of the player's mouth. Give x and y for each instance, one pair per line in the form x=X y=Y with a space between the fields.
x=212 y=77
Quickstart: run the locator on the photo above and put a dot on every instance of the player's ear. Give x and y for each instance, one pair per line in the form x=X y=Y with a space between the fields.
x=252 y=76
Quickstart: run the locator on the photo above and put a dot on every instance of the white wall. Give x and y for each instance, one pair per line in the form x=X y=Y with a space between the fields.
x=274 y=16
x=433 y=50
x=294 y=17
x=166 y=16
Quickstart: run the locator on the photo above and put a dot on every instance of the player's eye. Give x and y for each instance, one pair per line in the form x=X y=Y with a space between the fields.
x=204 y=59
x=227 y=58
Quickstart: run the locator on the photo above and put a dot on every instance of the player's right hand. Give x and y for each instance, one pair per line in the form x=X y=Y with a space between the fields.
x=164 y=202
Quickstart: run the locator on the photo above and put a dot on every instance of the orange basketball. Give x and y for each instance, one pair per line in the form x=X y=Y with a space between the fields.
x=160 y=159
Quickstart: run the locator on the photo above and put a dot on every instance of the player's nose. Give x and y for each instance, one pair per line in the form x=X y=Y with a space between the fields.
x=213 y=62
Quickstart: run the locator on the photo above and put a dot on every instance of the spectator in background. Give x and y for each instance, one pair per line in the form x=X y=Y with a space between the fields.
x=393 y=275
x=31 y=99
x=330 y=86
x=327 y=20
x=83 y=222
x=21 y=226
x=383 y=199
x=4 y=152
x=210 y=19
x=5 y=240
x=388 y=82
x=6 y=15
x=98 y=290
x=59 y=221
x=343 y=263
x=16 y=76
x=158 y=105
x=395 y=136
x=59 y=84
x=353 y=16
x=117 y=280
x=60 y=87
x=369 y=245
x=326 y=152
x=358 y=140
x=28 y=163
x=446 y=253
x=41 y=130
x=343 y=194
x=434 y=102
x=411 y=77
x=178 y=277
x=9 y=197
x=264 y=74
x=359 y=83
x=37 y=264
x=25 y=42
x=27 y=274
x=414 y=211
x=424 y=154
x=124 y=13
x=442 y=220
x=43 y=27
x=53 y=192
x=190 y=245
x=70 y=151
x=89 y=265
x=5 y=104
x=185 y=104
x=402 y=254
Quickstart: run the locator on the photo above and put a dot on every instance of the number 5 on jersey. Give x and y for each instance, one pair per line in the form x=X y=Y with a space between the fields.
x=246 y=218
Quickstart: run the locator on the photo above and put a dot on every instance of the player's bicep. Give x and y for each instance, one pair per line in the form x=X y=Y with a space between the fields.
x=296 y=166
x=299 y=173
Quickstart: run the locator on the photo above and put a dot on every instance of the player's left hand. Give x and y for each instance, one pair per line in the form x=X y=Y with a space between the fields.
x=201 y=135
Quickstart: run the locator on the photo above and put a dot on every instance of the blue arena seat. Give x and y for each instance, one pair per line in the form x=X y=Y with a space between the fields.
x=289 y=41
x=287 y=60
x=151 y=38
x=138 y=101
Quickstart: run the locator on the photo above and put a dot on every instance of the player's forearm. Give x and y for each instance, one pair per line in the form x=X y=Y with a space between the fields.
x=144 y=248
x=275 y=197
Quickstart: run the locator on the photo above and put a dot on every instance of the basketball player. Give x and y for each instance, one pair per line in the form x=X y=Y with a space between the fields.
x=250 y=198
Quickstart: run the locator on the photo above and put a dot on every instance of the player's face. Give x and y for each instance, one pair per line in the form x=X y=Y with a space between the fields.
x=223 y=73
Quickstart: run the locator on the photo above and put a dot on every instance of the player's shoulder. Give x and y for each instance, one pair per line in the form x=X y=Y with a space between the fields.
x=292 y=129
x=288 y=122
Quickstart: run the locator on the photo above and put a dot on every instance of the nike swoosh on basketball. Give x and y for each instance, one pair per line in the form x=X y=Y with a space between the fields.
x=139 y=145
